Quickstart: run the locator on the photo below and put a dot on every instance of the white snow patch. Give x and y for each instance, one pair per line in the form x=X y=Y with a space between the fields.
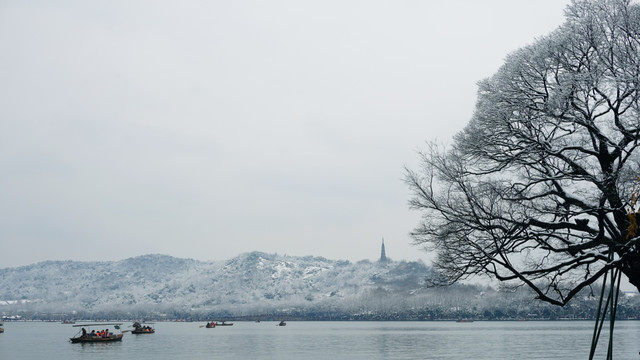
x=312 y=270
x=281 y=269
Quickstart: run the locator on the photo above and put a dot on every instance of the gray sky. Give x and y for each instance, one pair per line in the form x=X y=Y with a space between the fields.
x=205 y=129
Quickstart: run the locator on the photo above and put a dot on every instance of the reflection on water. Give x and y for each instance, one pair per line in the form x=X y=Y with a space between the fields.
x=322 y=340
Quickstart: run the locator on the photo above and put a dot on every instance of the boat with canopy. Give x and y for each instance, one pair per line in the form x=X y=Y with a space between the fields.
x=139 y=328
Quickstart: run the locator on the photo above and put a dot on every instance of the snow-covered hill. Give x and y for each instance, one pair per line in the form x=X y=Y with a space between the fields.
x=265 y=285
x=250 y=283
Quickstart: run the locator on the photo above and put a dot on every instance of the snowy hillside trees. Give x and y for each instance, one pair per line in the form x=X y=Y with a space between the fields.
x=261 y=286
x=250 y=283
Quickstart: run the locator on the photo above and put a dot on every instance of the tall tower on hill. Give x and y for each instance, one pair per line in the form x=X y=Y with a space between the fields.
x=383 y=254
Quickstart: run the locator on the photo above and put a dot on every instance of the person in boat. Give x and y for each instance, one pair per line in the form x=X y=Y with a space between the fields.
x=84 y=332
x=92 y=333
x=106 y=333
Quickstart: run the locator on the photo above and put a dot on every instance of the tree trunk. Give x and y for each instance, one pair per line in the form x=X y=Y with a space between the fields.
x=632 y=271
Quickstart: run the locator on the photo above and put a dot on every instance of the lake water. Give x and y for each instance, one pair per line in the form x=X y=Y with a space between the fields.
x=326 y=340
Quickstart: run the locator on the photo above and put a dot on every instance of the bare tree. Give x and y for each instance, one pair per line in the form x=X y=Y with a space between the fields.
x=537 y=188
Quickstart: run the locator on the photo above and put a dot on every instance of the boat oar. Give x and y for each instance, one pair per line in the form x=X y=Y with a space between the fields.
x=124 y=331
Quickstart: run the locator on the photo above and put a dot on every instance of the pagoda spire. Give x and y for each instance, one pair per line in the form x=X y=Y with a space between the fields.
x=383 y=254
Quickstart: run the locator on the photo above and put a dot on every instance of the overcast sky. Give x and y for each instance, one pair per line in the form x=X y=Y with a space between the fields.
x=206 y=129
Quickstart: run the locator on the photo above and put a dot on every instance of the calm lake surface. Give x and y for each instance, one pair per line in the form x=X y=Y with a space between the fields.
x=326 y=340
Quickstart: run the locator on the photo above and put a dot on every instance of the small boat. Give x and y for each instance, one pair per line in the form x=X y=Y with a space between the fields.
x=68 y=322
x=282 y=323
x=211 y=325
x=94 y=337
x=464 y=321
x=142 y=329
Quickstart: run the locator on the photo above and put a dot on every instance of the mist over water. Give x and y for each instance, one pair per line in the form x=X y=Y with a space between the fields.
x=321 y=340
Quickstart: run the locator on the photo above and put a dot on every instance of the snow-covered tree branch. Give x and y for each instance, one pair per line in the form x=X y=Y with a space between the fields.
x=537 y=188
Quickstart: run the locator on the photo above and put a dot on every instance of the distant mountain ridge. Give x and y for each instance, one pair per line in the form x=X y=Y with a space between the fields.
x=257 y=285
x=251 y=282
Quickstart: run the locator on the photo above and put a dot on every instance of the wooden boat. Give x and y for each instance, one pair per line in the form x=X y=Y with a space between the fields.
x=83 y=337
x=142 y=329
x=282 y=323
x=96 y=339
x=211 y=325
